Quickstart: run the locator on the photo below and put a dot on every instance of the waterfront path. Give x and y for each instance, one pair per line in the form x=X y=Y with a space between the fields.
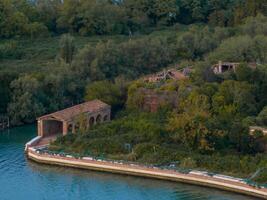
x=151 y=172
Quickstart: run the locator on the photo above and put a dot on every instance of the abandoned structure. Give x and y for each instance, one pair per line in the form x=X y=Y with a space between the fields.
x=153 y=100
x=222 y=67
x=252 y=129
x=173 y=74
x=69 y=120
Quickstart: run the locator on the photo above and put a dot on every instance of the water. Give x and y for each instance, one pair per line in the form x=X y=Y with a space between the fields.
x=22 y=179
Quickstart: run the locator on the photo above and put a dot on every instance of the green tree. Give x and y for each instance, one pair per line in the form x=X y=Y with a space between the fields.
x=189 y=125
x=19 y=18
x=69 y=19
x=243 y=72
x=241 y=48
x=48 y=13
x=5 y=92
x=111 y=93
x=233 y=100
x=26 y=102
x=262 y=117
x=196 y=42
x=67 y=48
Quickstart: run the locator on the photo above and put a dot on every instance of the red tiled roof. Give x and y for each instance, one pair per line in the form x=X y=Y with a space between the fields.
x=69 y=113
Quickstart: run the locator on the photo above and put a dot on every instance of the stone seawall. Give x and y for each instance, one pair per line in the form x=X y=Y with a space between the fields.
x=142 y=171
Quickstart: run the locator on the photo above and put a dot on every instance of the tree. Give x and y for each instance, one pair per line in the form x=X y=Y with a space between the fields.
x=85 y=64
x=232 y=100
x=69 y=19
x=36 y=29
x=111 y=93
x=48 y=13
x=101 y=17
x=67 y=48
x=255 y=25
x=262 y=117
x=189 y=125
x=5 y=91
x=196 y=42
x=26 y=102
x=241 y=49
x=243 y=72
x=18 y=18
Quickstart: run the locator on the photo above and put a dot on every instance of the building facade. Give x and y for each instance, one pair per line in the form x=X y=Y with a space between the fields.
x=71 y=119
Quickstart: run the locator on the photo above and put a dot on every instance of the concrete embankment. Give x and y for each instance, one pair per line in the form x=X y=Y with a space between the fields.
x=142 y=171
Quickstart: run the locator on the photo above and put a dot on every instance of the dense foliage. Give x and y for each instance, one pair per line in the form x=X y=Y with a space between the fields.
x=42 y=17
x=70 y=70
x=55 y=53
x=146 y=138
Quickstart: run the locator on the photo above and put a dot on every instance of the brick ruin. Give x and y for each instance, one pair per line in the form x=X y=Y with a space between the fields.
x=69 y=120
x=153 y=100
x=172 y=74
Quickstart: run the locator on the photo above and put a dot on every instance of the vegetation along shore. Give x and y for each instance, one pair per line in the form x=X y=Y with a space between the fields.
x=186 y=80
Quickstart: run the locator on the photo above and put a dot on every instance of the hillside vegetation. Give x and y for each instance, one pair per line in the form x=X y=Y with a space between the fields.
x=54 y=54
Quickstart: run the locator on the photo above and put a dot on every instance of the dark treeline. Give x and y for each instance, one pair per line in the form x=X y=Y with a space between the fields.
x=98 y=17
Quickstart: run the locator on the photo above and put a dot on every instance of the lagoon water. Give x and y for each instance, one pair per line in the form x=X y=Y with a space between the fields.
x=25 y=180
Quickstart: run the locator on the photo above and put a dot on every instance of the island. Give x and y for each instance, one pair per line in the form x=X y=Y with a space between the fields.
x=164 y=89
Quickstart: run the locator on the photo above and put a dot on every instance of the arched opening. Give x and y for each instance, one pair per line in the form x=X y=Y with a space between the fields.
x=91 y=121
x=52 y=127
x=77 y=126
x=98 y=119
x=70 y=127
x=105 y=118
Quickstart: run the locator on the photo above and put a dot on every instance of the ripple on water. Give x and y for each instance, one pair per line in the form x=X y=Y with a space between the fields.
x=23 y=180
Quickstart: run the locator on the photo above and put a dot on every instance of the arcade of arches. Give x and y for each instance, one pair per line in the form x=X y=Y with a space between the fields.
x=65 y=121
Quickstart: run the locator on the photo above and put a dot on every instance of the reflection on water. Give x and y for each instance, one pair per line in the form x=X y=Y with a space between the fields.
x=22 y=179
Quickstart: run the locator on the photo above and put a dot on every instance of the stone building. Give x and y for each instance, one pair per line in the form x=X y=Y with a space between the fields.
x=222 y=67
x=69 y=119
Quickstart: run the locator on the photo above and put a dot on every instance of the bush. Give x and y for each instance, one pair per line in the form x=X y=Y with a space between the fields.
x=188 y=163
x=9 y=50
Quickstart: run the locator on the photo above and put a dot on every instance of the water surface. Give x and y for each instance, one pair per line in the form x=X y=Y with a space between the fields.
x=23 y=180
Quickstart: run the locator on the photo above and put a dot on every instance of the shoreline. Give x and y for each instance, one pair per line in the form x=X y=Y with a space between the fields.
x=141 y=171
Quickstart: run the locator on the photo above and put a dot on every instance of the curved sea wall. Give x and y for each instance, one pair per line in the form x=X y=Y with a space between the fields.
x=33 y=142
x=136 y=170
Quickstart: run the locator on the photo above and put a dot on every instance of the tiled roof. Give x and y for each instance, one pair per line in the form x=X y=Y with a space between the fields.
x=69 y=113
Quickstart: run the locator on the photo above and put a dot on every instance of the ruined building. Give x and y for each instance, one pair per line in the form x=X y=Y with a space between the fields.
x=153 y=100
x=222 y=67
x=172 y=74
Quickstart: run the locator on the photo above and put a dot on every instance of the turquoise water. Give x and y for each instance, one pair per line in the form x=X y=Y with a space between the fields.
x=22 y=179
